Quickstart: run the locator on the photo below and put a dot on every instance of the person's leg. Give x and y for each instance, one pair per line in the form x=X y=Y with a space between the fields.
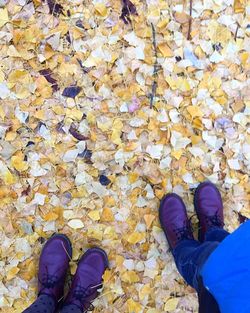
x=53 y=266
x=43 y=304
x=71 y=308
x=176 y=225
x=190 y=256
x=216 y=234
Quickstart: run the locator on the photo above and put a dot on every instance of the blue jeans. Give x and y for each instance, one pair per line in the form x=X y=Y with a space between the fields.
x=191 y=255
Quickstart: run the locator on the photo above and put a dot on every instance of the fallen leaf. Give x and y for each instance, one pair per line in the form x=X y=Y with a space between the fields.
x=4 y=18
x=128 y=8
x=76 y=224
x=135 y=237
x=47 y=73
x=171 y=304
x=149 y=218
x=101 y=9
x=54 y=7
x=165 y=50
x=71 y=92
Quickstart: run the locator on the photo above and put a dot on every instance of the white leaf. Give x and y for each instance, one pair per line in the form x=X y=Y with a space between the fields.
x=234 y=164
x=36 y=170
x=155 y=151
x=133 y=40
x=136 y=122
x=165 y=163
x=44 y=132
x=132 y=135
x=100 y=190
x=81 y=146
x=68 y=214
x=22 y=246
x=216 y=57
x=139 y=53
x=76 y=224
x=162 y=116
x=174 y=116
x=4 y=91
x=39 y=199
x=50 y=226
x=189 y=55
x=151 y=263
x=241 y=119
x=141 y=202
x=196 y=151
x=178 y=141
x=70 y=155
x=22 y=2
x=54 y=40
x=21 y=115
x=188 y=178
x=212 y=140
x=129 y=264
x=124 y=108
x=150 y=192
x=140 y=266
x=83 y=178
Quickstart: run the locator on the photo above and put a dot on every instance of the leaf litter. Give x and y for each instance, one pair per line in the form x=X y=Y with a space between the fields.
x=106 y=106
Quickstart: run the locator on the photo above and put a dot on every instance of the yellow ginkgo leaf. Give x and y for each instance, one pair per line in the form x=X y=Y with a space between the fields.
x=130 y=277
x=165 y=50
x=171 y=304
x=101 y=9
x=4 y=18
x=135 y=237
x=18 y=163
x=133 y=307
x=51 y=216
x=94 y=215
x=149 y=218
x=194 y=111
x=12 y=273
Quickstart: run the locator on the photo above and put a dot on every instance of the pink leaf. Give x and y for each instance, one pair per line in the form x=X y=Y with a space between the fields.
x=134 y=105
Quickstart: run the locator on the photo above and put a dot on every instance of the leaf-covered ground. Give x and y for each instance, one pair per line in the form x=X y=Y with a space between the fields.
x=105 y=106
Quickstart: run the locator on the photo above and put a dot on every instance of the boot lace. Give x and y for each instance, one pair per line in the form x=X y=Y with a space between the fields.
x=214 y=221
x=49 y=280
x=183 y=232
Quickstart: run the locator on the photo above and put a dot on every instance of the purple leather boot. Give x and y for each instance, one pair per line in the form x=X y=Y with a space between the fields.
x=87 y=280
x=209 y=208
x=53 y=266
x=174 y=220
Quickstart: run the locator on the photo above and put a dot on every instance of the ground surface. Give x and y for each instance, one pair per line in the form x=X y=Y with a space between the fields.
x=163 y=103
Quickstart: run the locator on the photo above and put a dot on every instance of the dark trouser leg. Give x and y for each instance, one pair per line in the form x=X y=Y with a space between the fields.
x=43 y=304
x=216 y=234
x=70 y=308
x=190 y=256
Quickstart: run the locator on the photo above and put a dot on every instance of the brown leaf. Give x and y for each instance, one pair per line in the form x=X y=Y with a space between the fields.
x=181 y=17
